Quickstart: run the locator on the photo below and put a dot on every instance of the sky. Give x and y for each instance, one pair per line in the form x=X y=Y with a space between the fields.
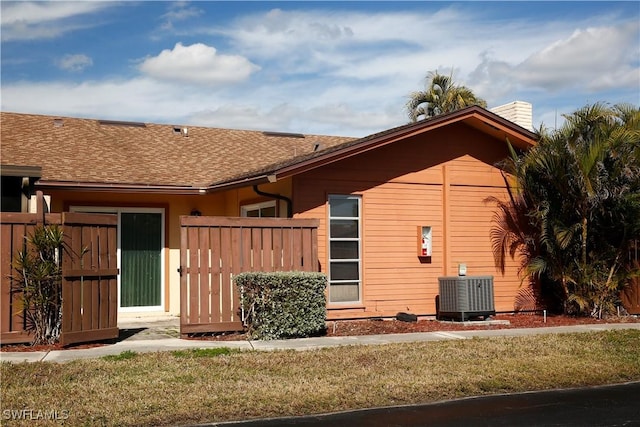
x=330 y=68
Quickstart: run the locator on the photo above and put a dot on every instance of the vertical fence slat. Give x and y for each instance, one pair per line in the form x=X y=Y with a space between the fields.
x=297 y=248
x=306 y=251
x=266 y=249
x=276 y=236
x=245 y=252
x=194 y=315
x=6 y=258
x=287 y=246
x=236 y=268
x=184 y=265
x=214 y=234
x=87 y=284
x=225 y=280
x=205 y=297
x=256 y=253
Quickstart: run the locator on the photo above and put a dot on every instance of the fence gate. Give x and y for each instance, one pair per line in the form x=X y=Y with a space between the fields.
x=214 y=249
x=89 y=276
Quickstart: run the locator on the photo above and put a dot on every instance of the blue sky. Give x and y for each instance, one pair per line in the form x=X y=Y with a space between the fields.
x=337 y=68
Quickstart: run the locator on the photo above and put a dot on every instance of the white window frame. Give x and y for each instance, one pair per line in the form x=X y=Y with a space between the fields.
x=119 y=211
x=244 y=209
x=338 y=260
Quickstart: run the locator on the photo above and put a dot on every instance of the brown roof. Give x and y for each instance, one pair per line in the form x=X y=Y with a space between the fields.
x=78 y=152
x=137 y=156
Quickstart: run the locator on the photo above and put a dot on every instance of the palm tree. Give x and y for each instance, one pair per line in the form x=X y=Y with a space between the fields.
x=441 y=96
x=578 y=202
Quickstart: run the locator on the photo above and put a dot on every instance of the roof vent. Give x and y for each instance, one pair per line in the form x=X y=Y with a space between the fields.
x=283 y=134
x=317 y=146
x=121 y=123
x=178 y=130
x=58 y=123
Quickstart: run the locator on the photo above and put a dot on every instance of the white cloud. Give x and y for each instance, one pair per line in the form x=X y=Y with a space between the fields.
x=596 y=59
x=242 y=116
x=197 y=64
x=75 y=63
x=349 y=73
x=35 y=20
x=179 y=11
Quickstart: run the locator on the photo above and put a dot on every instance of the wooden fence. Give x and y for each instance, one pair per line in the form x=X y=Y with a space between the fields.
x=89 y=276
x=214 y=249
x=630 y=295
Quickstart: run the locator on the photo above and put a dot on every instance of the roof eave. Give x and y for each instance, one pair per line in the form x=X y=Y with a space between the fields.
x=152 y=188
x=525 y=138
x=119 y=187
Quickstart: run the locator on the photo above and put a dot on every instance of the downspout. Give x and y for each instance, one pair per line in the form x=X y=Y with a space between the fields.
x=276 y=196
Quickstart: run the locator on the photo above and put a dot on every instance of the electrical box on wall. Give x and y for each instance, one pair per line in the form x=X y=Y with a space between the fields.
x=424 y=241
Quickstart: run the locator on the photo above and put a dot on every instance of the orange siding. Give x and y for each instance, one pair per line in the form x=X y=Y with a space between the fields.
x=440 y=182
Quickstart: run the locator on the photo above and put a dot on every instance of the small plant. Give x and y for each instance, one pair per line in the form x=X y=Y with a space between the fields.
x=39 y=280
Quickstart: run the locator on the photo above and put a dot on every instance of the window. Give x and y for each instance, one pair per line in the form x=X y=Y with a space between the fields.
x=344 y=249
x=260 y=210
x=11 y=194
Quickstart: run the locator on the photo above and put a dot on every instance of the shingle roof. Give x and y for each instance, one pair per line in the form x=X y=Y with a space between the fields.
x=474 y=116
x=165 y=158
x=92 y=151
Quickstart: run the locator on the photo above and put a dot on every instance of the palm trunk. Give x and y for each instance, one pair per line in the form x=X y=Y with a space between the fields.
x=584 y=241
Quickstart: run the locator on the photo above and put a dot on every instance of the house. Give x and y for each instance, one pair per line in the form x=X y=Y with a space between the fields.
x=396 y=209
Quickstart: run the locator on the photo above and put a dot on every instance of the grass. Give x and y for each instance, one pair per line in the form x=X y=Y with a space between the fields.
x=125 y=355
x=212 y=385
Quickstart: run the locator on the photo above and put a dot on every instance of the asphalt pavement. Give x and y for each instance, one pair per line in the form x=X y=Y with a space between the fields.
x=611 y=405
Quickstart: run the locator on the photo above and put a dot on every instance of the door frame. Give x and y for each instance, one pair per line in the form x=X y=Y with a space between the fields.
x=119 y=210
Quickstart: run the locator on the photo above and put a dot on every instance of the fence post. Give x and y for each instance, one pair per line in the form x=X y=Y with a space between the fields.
x=40 y=210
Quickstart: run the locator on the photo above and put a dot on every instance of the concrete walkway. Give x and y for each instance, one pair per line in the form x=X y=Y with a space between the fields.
x=151 y=335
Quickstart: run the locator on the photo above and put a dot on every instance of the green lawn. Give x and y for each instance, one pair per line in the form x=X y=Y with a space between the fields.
x=188 y=386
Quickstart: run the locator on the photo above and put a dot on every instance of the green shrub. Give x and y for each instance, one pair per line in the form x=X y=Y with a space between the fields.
x=38 y=281
x=283 y=304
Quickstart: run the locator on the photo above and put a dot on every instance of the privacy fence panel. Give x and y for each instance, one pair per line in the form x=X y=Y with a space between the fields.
x=89 y=276
x=214 y=249
x=14 y=229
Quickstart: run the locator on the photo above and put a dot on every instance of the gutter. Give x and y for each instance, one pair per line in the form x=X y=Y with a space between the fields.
x=279 y=197
x=148 y=188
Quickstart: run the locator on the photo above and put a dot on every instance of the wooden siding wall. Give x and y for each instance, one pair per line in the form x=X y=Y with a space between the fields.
x=440 y=182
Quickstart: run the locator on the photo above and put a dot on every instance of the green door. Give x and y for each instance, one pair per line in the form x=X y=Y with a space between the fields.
x=141 y=247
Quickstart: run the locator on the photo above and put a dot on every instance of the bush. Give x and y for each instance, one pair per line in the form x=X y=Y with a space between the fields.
x=38 y=280
x=283 y=304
